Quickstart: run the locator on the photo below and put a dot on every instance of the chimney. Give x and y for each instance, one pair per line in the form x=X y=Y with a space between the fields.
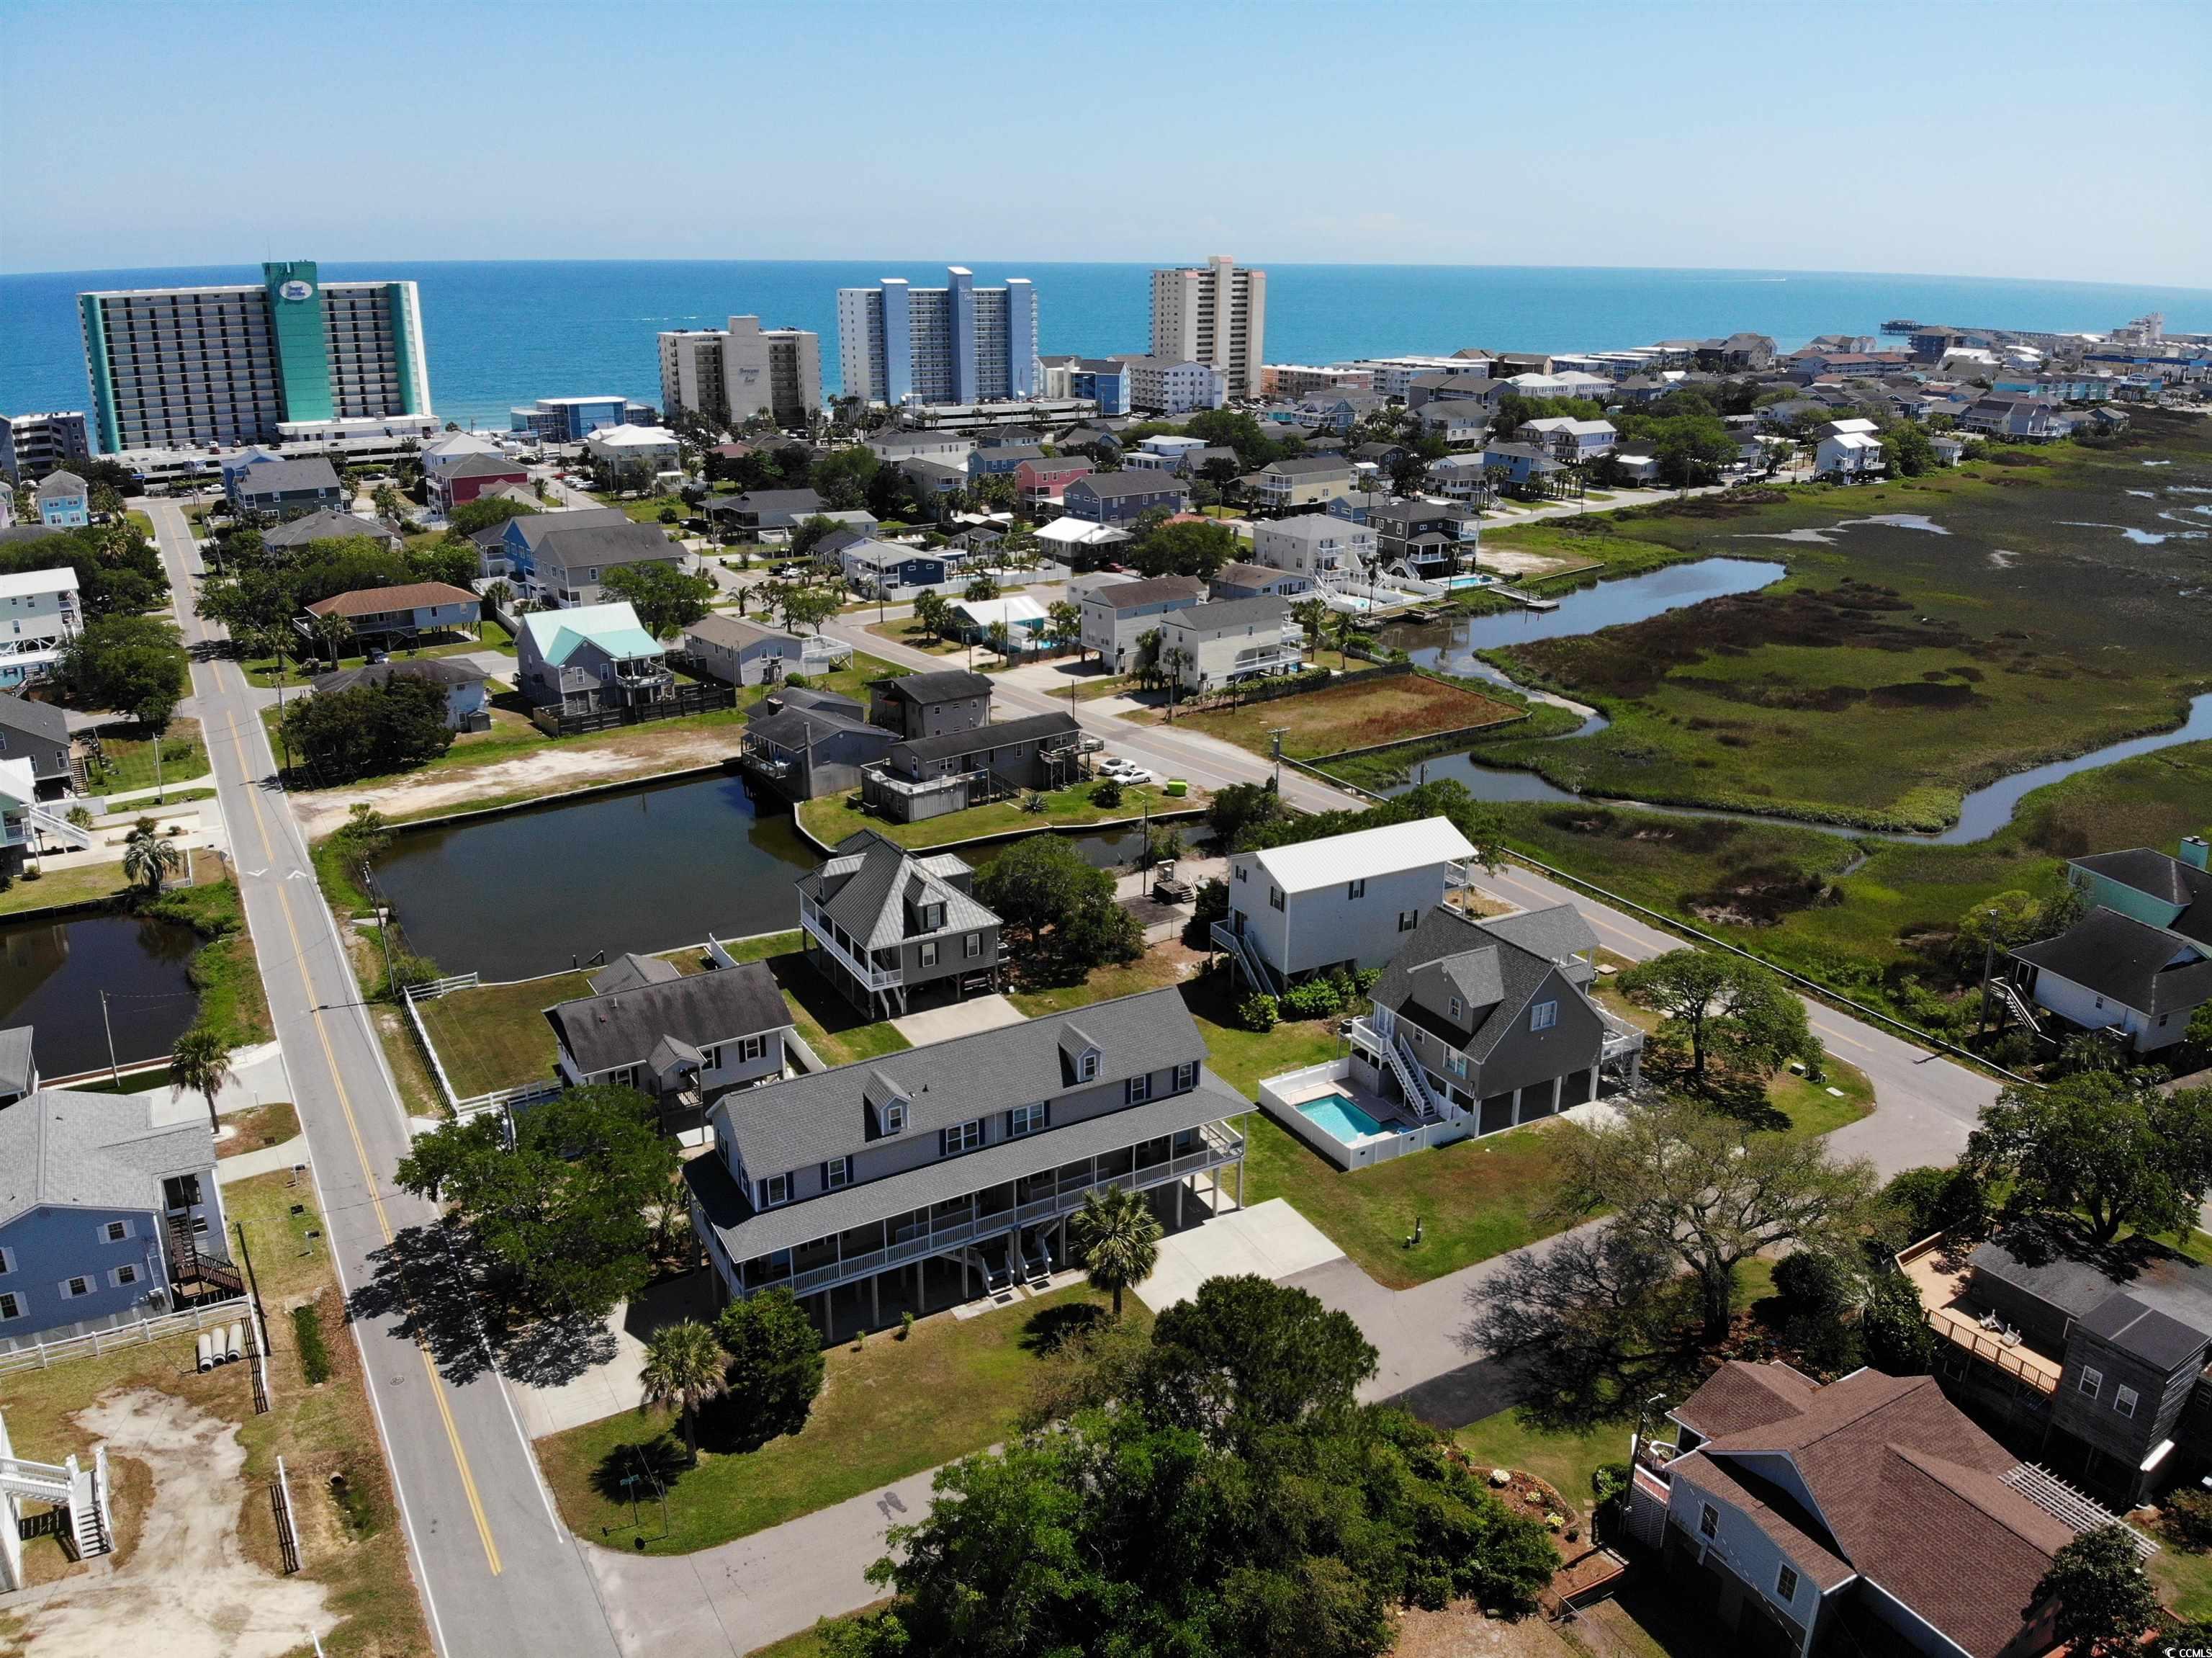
x=2193 y=851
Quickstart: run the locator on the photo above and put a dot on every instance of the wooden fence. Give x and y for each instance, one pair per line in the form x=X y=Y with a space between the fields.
x=687 y=700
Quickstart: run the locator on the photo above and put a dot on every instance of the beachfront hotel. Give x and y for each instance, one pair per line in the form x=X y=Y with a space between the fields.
x=728 y=376
x=957 y=344
x=291 y=357
x=1216 y=314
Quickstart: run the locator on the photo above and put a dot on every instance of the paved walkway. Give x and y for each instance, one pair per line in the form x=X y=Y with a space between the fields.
x=244 y=1165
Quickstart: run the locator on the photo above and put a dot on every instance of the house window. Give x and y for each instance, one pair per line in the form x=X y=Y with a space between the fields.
x=973 y=947
x=2124 y=1401
x=1785 y=1585
x=1356 y=889
x=1086 y=1069
x=1026 y=1120
x=894 y=1117
x=1274 y=897
x=961 y=1136
x=6 y=1262
x=2092 y=1382
x=838 y=1173
x=1543 y=1016
x=1709 y=1520
x=1185 y=1076
x=1408 y=919
x=73 y=1288
x=774 y=1190
x=710 y=1058
x=1137 y=1090
x=1455 y=1006
x=1457 y=1064
x=124 y=1276
x=753 y=1047
x=114 y=1231
x=12 y=1306
x=929 y=954
x=1242 y=872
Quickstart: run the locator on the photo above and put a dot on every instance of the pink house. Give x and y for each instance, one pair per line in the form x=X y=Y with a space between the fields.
x=1045 y=479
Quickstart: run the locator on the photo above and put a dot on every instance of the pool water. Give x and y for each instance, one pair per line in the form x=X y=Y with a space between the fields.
x=1339 y=1117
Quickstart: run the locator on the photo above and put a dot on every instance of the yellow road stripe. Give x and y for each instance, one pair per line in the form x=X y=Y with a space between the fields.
x=361 y=1151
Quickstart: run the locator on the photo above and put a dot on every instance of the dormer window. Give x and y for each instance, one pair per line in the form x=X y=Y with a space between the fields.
x=1086 y=1065
x=893 y=1116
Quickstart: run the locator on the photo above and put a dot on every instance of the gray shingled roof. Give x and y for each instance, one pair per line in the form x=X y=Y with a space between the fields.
x=1557 y=934
x=735 y=633
x=1149 y=590
x=795 y=726
x=2128 y=960
x=945 y=686
x=869 y=883
x=2159 y=874
x=2079 y=1285
x=324 y=526
x=98 y=1150
x=1495 y=978
x=631 y=971
x=1108 y=486
x=1004 y=734
x=1301 y=465
x=603 y=544
x=808 y=1119
x=42 y=720
x=433 y=670
x=534 y=526
x=602 y=1032
x=288 y=477
x=1230 y=613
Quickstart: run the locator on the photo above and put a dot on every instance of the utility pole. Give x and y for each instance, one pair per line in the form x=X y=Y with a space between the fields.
x=114 y=1071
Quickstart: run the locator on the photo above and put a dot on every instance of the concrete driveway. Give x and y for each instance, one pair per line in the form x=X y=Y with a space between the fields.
x=1271 y=1238
x=977 y=1013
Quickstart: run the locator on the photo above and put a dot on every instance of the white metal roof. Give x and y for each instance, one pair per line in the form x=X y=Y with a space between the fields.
x=1315 y=863
x=30 y=581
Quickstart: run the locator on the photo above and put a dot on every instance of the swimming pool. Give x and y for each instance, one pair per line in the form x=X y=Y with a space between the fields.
x=1336 y=1116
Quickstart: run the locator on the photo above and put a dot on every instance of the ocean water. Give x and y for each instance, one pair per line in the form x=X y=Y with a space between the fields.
x=501 y=333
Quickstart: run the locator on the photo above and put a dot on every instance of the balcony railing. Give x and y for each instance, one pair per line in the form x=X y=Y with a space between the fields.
x=917 y=1242
x=874 y=978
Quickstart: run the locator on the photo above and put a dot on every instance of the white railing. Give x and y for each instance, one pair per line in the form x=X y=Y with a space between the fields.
x=1257 y=973
x=429 y=990
x=39 y=1354
x=1620 y=1036
x=874 y=978
x=918 y=1242
x=505 y=1099
x=68 y=833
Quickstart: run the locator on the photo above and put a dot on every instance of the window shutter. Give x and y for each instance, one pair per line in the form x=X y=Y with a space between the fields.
x=824 y=1177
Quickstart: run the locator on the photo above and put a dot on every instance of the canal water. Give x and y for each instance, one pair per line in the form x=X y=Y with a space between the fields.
x=649 y=868
x=52 y=973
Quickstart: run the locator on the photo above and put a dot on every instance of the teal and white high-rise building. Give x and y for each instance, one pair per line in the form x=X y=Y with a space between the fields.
x=294 y=359
x=958 y=344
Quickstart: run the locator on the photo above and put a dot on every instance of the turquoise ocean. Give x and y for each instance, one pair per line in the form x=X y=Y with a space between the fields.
x=505 y=333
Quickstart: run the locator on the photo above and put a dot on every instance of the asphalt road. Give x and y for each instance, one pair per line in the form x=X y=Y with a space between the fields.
x=498 y=1572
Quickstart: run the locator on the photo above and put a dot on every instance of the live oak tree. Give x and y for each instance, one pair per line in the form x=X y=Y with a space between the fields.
x=2105 y=1598
x=368 y=729
x=1699 y=1188
x=1719 y=1006
x=775 y=1363
x=133 y=664
x=560 y=1217
x=665 y=598
x=1246 y=1356
x=2107 y=1145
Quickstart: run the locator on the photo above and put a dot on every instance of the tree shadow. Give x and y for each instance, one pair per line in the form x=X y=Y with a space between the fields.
x=660 y=1458
x=431 y=1285
x=1055 y=1327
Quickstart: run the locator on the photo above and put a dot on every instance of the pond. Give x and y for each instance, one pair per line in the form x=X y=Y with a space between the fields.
x=649 y=868
x=52 y=973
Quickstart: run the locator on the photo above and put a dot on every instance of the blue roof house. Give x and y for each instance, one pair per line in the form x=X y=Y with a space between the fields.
x=590 y=658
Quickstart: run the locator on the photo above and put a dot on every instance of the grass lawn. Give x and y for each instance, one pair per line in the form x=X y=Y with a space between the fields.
x=905 y=631
x=1566 y=1458
x=1161 y=965
x=2183 y=1580
x=1893 y=668
x=892 y=1409
x=319 y=1431
x=262 y=671
x=129 y=751
x=1401 y=707
x=87 y=883
x=224 y=970
x=833 y=817
x=260 y=1127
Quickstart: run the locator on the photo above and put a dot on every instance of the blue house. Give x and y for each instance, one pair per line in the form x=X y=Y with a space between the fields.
x=64 y=502
x=109 y=1211
x=1002 y=457
x=1104 y=381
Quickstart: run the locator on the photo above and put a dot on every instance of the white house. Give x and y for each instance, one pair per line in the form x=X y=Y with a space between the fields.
x=633 y=454
x=1346 y=900
x=1848 y=449
x=1231 y=640
x=39 y=614
x=1327 y=548
x=1570 y=441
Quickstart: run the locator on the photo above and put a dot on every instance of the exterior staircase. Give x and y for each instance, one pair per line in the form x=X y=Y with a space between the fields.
x=211 y=1277
x=58 y=828
x=1249 y=962
x=2008 y=996
x=76 y=1493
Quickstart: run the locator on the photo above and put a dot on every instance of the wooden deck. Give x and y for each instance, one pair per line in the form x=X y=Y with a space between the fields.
x=1953 y=1314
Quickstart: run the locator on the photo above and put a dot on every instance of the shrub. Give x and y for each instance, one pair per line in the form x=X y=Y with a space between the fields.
x=1317 y=998
x=2186 y=1519
x=905 y=1326
x=1811 y=1282
x=314 y=1351
x=1107 y=791
x=1258 y=1012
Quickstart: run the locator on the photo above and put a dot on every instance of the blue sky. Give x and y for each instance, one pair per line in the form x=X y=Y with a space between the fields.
x=1923 y=138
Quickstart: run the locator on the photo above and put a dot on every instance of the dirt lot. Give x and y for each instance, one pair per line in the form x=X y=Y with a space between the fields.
x=1360 y=714
x=187 y=1588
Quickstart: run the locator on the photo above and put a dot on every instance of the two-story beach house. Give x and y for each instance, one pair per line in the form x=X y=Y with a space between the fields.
x=896 y=931
x=590 y=659
x=927 y=777
x=1329 y=549
x=39 y=614
x=807 y=743
x=561 y=559
x=1303 y=480
x=1866 y=1514
x=925 y=1178
x=39 y=733
x=930 y=704
x=1229 y=640
x=109 y=1211
x=401 y=614
x=1115 y=616
x=2138 y=964
x=740 y=652
x=685 y=1038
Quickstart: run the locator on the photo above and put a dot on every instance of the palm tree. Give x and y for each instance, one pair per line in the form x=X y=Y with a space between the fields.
x=1347 y=625
x=200 y=1062
x=147 y=859
x=332 y=632
x=684 y=1364
x=1118 y=1240
x=1310 y=614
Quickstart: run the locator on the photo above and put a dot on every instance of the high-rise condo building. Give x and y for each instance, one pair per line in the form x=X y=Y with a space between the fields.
x=958 y=344
x=33 y=445
x=1213 y=314
x=183 y=367
x=728 y=375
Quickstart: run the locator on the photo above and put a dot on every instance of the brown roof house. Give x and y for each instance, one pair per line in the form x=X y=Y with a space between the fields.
x=1796 y=1515
x=402 y=613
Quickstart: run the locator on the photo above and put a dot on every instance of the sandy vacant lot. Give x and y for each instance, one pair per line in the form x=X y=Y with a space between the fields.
x=187 y=1589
